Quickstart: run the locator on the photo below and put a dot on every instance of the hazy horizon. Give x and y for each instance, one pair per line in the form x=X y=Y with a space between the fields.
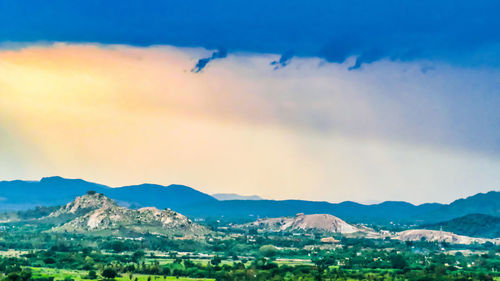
x=364 y=202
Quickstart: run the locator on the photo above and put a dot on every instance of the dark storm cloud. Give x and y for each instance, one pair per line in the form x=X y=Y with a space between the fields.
x=367 y=57
x=202 y=63
x=454 y=31
x=283 y=61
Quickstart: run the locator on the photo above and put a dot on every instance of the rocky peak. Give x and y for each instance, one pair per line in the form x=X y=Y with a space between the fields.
x=90 y=201
x=322 y=222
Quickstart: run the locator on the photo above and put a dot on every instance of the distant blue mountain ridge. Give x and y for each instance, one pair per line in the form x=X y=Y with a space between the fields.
x=51 y=191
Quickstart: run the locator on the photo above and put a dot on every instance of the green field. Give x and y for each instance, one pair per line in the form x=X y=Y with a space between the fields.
x=78 y=275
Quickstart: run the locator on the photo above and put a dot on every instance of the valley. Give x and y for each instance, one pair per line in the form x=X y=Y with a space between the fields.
x=95 y=237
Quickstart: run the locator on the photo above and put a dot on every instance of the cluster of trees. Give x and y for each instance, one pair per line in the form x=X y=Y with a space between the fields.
x=324 y=267
x=244 y=256
x=227 y=244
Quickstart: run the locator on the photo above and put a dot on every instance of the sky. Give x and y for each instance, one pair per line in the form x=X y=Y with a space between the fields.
x=329 y=100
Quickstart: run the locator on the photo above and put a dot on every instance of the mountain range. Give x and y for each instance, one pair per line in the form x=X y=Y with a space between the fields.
x=385 y=212
x=51 y=191
x=351 y=211
x=95 y=214
x=24 y=195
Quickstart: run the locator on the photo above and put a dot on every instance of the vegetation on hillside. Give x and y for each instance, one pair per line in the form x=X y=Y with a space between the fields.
x=475 y=225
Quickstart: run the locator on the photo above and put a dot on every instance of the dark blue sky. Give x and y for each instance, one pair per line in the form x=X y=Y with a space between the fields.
x=459 y=32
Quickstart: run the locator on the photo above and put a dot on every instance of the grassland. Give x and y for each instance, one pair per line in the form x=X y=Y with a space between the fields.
x=79 y=275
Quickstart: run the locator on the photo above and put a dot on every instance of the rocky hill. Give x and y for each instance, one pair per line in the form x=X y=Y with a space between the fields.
x=83 y=204
x=440 y=236
x=97 y=214
x=301 y=222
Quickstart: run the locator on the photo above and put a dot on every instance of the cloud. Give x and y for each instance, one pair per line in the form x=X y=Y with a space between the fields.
x=283 y=61
x=320 y=133
x=427 y=68
x=459 y=32
x=202 y=63
x=367 y=57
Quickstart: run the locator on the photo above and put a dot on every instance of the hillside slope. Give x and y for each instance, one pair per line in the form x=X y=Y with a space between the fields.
x=475 y=225
x=481 y=203
x=440 y=236
x=95 y=213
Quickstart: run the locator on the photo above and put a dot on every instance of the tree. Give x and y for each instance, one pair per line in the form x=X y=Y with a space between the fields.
x=322 y=263
x=216 y=261
x=166 y=271
x=398 y=261
x=13 y=276
x=49 y=260
x=25 y=274
x=268 y=251
x=172 y=255
x=92 y=275
x=118 y=246
x=109 y=273
x=138 y=255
